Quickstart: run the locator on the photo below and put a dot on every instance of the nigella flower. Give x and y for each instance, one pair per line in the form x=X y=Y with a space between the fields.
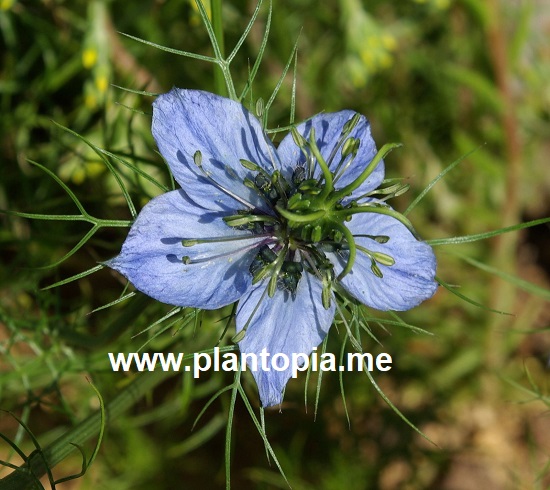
x=277 y=228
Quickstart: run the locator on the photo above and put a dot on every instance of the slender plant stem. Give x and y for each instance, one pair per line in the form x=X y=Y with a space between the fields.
x=217 y=25
x=38 y=463
x=36 y=466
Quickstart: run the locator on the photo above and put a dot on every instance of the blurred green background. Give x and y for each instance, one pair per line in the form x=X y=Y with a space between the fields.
x=442 y=77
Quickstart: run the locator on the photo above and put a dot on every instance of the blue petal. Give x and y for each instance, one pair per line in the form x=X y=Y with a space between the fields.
x=151 y=256
x=186 y=121
x=285 y=325
x=405 y=284
x=328 y=128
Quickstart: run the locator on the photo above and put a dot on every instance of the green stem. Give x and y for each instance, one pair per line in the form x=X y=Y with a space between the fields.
x=217 y=25
x=301 y=218
x=324 y=167
x=24 y=478
x=133 y=310
x=36 y=465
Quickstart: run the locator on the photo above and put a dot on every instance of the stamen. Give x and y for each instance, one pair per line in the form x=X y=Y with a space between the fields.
x=377 y=238
x=260 y=107
x=299 y=140
x=299 y=175
x=278 y=180
x=251 y=166
x=326 y=276
x=269 y=145
x=379 y=257
x=350 y=125
x=290 y=276
x=272 y=286
x=238 y=337
x=190 y=242
x=383 y=259
x=391 y=192
x=342 y=170
x=197 y=158
x=240 y=220
x=187 y=260
x=307 y=252
x=346 y=131
x=347 y=190
x=263 y=183
x=326 y=291
x=302 y=143
x=316 y=233
x=375 y=269
x=370 y=208
x=262 y=263
x=351 y=147
x=252 y=185
x=332 y=246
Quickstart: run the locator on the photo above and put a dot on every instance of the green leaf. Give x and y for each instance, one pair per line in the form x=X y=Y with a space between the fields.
x=173 y=51
x=449 y=288
x=516 y=281
x=257 y=63
x=261 y=432
x=442 y=174
x=488 y=234
x=279 y=83
x=75 y=277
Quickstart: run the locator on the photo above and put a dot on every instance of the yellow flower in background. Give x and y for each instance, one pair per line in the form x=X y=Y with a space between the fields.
x=89 y=58
x=102 y=83
x=442 y=4
x=389 y=42
x=6 y=4
x=78 y=172
x=95 y=56
x=436 y=4
x=369 y=47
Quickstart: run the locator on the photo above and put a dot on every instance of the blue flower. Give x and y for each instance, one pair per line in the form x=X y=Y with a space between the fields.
x=279 y=229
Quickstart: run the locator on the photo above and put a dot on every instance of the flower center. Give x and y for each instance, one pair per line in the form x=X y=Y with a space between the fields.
x=310 y=214
x=306 y=222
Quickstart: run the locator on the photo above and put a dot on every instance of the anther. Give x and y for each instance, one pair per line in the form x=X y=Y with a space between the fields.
x=348 y=127
x=375 y=269
x=249 y=165
x=197 y=158
x=290 y=275
x=300 y=141
x=260 y=107
x=376 y=238
x=383 y=259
